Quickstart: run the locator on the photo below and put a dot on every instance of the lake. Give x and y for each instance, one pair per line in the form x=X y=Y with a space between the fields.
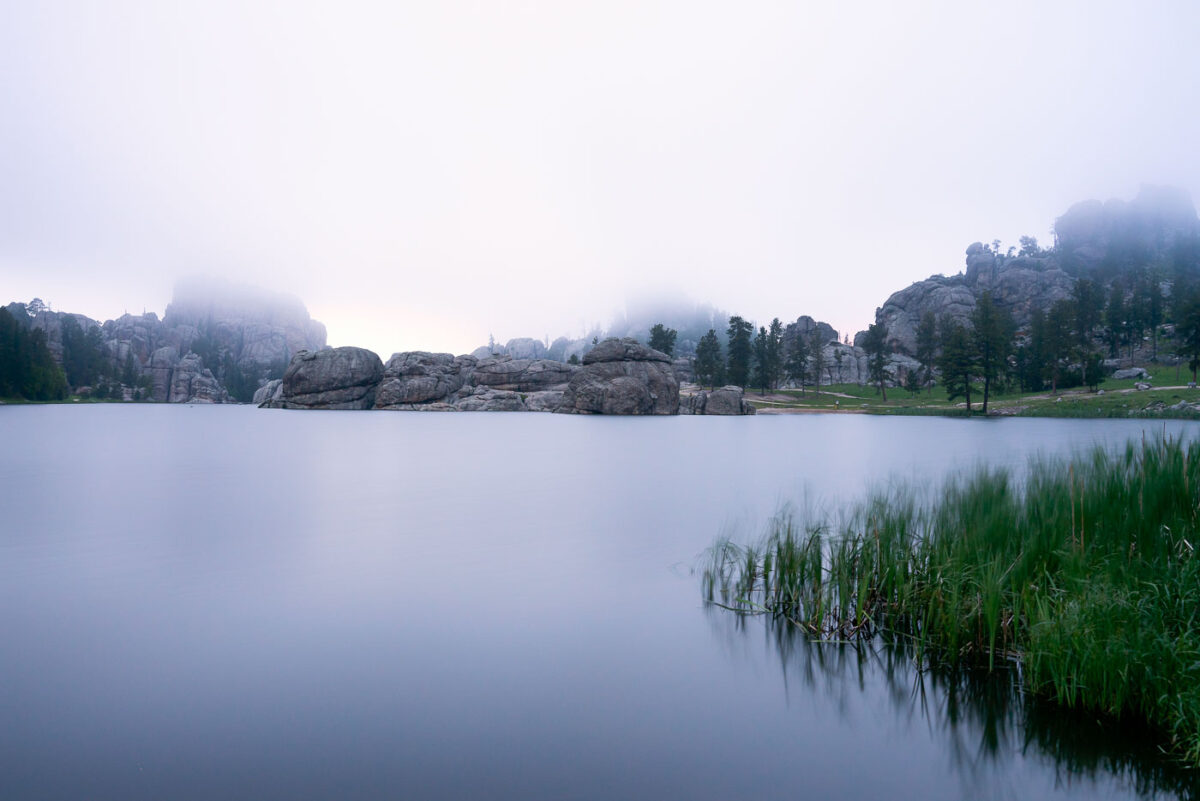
x=226 y=602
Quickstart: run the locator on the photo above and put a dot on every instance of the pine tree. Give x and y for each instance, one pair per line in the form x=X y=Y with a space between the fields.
x=1114 y=319
x=957 y=363
x=708 y=365
x=992 y=341
x=927 y=345
x=1088 y=306
x=1058 y=337
x=1031 y=357
x=875 y=345
x=663 y=339
x=738 y=369
x=796 y=364
x=774 y=353
x=1187 y=330
x=762 y=367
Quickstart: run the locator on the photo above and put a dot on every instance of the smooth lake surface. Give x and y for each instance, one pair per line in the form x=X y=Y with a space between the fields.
x=227 y=602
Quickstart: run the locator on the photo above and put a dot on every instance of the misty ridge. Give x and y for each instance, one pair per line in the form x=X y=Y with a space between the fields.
x=220 y=341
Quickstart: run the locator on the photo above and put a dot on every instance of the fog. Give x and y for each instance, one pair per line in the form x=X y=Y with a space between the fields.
x=427 y=175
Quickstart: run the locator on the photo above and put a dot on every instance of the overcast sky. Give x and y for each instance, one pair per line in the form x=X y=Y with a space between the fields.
x=423 y=175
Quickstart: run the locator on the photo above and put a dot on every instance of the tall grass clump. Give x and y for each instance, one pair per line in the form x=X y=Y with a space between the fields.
x=1082 y=573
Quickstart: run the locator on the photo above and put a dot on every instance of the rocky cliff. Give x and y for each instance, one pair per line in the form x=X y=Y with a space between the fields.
x=1103 y=242
x=217 y=342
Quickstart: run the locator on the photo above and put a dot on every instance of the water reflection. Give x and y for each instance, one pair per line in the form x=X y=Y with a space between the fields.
x=985 y=722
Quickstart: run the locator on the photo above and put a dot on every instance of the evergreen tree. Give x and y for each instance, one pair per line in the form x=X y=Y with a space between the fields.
x=912 y=382
x=774 y=353
x=708 y=364
x=1031 y=356
x=738 y=369
x=957 y=362
x=1187 y=331
x=927 y=345
x=663 y=338
x=1154 y=309
x=762 y=374
x=85 y=360
x=796 y=364
x=992 y=340
x=27 y=368
x=1114 y=319
x=875 y=345
x=1088 y=306
x=1057 y=341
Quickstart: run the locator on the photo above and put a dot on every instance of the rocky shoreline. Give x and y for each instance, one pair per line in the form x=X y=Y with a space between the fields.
x=616 y=377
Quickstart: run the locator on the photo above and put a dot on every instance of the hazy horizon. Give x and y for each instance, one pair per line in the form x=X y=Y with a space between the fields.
x=424 y=177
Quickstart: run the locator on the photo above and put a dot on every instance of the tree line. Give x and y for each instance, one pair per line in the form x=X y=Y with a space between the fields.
x=1062 y=347
x=27 y=368
x=772 y=355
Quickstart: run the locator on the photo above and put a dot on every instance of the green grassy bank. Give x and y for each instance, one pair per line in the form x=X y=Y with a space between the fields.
x=1118 y=399
x=1084 y=576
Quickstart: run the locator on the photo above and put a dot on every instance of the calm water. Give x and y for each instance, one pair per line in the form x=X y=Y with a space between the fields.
x=226 y=602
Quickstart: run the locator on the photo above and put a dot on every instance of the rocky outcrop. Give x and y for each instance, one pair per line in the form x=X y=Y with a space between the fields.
x=336 y=378
x=728 y=400
x=270 y=391
x=807 y=328
x=483 y=399
x=622 y=376
x=192 y=382
x=945 y=297
x=256 y=330
x=1095 y=240
x=241 y=335
x=420 y=381
x=522 y=375
x=418 y=377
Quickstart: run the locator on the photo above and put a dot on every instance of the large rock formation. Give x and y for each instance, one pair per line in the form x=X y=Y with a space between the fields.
x=807 y=328
x=241 y=338
x=269 y=392
x=192 y=382
x=727 y=400
x=522 y=375
x=420 y=381
x=243 y=328
x=622 y=376
x=1098 y=241
x=618 y=377
x=421 y=377
x=336 y=378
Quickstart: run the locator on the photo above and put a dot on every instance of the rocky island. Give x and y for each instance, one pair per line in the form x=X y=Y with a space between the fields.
x=617 y=376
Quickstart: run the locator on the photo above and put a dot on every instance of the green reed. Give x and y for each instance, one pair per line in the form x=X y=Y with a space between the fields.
x=1082 y=574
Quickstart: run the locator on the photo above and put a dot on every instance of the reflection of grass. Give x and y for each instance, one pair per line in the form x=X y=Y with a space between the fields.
x=984 y=717
x=1085 y=577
